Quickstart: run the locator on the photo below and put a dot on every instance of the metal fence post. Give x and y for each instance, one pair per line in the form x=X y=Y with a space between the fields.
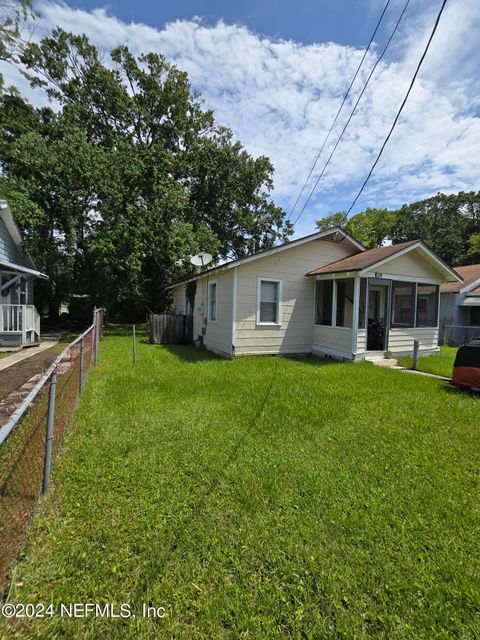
x=134 y=346
x=82 y=348
x=416 y=345
x=94 y=343
x=49 y=433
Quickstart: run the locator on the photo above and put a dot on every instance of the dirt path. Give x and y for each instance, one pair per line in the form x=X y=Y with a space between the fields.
x=15 y=376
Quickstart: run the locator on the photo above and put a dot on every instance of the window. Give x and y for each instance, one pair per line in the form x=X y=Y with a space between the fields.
x=212 y=302
x=344 y=314
x=323 y=302
x=403 y=305
x=427 y=305
x=475 y=316
x=269 y=295
x=362 y=303
x=186 y=306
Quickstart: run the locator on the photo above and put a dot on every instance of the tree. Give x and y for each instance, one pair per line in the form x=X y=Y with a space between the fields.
x=448 y=224
x=338 y=219
x=13 y=14
x=132 y=174
x=371 y=227
x=473 y=252
x=444 y=222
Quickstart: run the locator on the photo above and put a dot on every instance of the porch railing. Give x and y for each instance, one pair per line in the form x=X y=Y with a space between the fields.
x=19 y=318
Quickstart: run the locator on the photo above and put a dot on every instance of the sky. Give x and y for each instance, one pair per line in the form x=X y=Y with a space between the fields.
x=275 y=72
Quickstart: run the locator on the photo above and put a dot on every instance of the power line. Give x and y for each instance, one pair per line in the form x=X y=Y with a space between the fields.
x=401 y=106
x=352 y=113
x=340 y=109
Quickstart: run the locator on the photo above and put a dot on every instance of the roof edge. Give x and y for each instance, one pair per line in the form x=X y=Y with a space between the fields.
x=318 y=235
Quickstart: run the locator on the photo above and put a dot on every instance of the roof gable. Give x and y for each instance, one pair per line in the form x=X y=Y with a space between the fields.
x=374 y=258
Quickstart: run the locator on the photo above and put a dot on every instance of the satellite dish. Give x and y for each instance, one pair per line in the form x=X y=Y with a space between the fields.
x=201 y=259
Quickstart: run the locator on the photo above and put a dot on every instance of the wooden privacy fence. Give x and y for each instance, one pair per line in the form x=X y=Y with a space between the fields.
x=169 y=328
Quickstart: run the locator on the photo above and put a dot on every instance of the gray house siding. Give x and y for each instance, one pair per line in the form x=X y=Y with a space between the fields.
x=8 y=249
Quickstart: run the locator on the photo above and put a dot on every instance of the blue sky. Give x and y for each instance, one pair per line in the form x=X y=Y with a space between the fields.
x=306 y=21
x=275 y=73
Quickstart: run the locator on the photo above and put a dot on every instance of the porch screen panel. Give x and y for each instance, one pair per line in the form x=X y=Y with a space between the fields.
x=269 y=301
x=427 y=305
x=362 y=303
x=403 y=305
x=344 y=312
x=323 y=302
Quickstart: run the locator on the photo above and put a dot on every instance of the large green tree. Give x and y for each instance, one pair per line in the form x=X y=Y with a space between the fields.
x=371 y=227
x=448 y=224
x=131 y=173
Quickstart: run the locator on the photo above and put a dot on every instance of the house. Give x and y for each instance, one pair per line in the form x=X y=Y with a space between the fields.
x=460 y=306
x=323 y=294
x=19 y=319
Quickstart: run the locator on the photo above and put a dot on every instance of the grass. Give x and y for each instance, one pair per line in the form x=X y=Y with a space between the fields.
x=259 y=498
x=439 y=363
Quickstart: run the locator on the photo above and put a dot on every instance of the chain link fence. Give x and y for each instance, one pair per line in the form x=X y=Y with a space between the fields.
x=455 y=335
x=32 y=437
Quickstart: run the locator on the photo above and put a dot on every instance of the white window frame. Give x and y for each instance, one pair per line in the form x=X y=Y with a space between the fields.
x=279 y=282
x=209 y=285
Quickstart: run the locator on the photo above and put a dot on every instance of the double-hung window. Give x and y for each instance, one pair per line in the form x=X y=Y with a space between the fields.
x=268 y=301
x=212 y=302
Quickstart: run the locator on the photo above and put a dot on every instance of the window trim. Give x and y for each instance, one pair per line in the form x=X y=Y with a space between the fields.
x=279 y=282
x=210 y=283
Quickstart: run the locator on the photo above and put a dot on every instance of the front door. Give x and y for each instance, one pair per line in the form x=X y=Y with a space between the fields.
x=377 y=316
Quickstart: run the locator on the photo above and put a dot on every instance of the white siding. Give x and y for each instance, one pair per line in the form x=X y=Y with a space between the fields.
x=290 y=266
x=401 y=340
x=361 y=340
x=336 y=341
x=179 y=298
x=218 y=335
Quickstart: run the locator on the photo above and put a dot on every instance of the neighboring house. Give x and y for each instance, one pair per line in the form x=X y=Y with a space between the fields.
x=460 y=306
x=322 y=294
x=19 y=320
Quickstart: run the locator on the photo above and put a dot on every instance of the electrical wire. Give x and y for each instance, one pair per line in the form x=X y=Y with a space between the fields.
x=352 y=113
x=401 y=106
x=340 y=108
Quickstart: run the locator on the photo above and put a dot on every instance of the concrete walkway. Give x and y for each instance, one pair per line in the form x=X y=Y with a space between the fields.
x=25 y=353
x=391 y=363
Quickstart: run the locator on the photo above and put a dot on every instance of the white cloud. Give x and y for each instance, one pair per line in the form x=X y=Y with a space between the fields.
x=279 y=97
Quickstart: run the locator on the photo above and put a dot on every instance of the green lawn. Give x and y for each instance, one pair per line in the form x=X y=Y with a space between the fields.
x=439 y=363
x=260 y=498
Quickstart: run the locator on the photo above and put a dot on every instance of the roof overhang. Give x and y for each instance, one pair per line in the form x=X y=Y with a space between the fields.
x=333 y=234
x=24 y=270
x=470 y=301
x=447 y=273
x=471 y=286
